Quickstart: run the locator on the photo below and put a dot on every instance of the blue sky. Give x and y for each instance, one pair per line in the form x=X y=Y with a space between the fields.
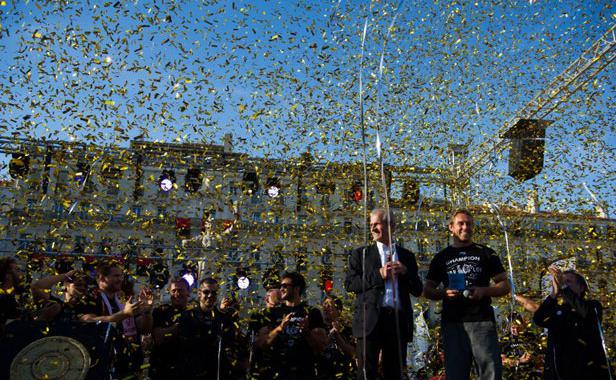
x=283 y=78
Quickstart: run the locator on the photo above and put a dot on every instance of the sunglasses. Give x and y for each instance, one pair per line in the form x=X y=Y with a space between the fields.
x=286 y=286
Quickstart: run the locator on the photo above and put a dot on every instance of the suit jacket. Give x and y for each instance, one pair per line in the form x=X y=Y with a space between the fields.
x=371 y=293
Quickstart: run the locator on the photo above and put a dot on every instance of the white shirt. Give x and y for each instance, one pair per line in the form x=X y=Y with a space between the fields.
x=388 y=297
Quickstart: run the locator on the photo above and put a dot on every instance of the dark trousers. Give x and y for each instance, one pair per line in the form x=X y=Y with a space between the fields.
x=392 y=340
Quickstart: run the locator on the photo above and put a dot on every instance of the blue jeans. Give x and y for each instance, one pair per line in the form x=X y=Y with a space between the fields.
x=463 y=341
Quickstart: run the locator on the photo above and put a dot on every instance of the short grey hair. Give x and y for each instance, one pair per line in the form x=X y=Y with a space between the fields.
x=388 y=217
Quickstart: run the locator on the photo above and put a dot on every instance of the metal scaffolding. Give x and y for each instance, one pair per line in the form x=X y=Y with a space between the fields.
x=581 y=71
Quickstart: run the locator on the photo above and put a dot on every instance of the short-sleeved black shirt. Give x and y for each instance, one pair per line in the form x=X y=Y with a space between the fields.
x=291 y=352
x=261 y=365
x=202 y=333
x=165 y=357
x=479 y=264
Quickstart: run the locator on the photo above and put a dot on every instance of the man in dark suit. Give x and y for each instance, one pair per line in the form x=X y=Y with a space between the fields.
x=382 y=276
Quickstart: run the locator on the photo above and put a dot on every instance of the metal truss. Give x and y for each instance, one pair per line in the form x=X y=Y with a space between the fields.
x=581 y=71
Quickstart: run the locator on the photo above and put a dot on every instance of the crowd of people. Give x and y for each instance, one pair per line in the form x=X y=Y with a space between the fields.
x=210 y=337
x=193 y=339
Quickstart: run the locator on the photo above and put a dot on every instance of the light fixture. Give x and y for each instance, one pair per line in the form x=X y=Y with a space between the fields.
x=189 y=273
x=241 y=278
x=243 y=282
x=189 y=278
x=357 y=194
x=166 y=181
x=327 y=281
x=19 y=165
x=273 y=187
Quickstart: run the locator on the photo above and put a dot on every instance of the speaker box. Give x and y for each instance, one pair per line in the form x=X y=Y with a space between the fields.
x=527 y=146
x=526 y=158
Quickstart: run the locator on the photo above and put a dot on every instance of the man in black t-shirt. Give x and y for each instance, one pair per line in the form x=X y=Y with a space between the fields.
x=207 y=337
x=294 y=332
x=337 y=359
x=167 y=351
x=468 y=325
x=519 y=352
x=261 y=360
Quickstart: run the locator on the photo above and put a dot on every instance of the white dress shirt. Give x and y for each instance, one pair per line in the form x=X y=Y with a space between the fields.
x=388 y=297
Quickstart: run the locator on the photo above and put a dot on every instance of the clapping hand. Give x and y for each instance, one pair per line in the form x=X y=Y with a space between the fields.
x=132 y=308
x=146 y=298
x=557 y=279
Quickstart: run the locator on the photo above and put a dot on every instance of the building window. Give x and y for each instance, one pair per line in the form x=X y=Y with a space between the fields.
x=105 y=247
x=326 y=259
x=113 y=189
x=348 y=226
x=256 y=216
x=83 y=210
x=61 y=181
x=254 y=198
x=24 y=241
x=58 y=210
x=31 y=203
x=325 y=201
x=136 y=210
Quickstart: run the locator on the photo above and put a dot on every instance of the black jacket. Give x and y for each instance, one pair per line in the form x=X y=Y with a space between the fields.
x=374 y=287
x=574 y=349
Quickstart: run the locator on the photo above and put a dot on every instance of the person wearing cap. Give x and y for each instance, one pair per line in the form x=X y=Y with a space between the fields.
x=468 y=325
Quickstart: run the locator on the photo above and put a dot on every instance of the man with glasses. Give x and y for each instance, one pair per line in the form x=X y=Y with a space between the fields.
x=294 y=332
x=207 y=335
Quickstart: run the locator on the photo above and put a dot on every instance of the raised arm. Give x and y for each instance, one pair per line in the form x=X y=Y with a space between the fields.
x=268 y=335
x=130 y=310
x=41 y=289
